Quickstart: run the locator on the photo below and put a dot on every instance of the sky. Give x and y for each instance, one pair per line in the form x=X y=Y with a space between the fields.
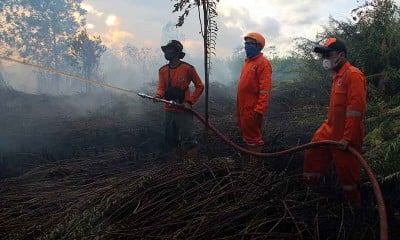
x=141 y=22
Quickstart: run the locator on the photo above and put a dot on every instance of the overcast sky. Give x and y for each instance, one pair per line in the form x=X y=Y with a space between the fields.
x=141 y=22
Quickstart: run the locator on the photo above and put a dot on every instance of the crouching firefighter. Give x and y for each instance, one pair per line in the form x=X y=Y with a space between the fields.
x=173 y=84
x=344 y=123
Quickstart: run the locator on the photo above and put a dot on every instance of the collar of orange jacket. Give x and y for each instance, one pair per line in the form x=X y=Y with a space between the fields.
x=343 y=69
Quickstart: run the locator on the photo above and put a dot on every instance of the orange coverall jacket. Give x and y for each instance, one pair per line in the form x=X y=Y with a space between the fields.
x=181 y=77
x=346 y=107
x=252 y=96
x=345 y=121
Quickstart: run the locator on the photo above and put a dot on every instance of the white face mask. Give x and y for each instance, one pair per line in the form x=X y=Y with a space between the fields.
x=329 y=64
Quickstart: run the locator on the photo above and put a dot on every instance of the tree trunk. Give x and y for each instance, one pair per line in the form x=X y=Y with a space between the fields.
x=2 y=80
x=206 y=72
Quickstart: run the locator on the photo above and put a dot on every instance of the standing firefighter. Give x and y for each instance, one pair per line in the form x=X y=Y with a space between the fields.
x=173 y=84
x=253 y=92
x=345 y=122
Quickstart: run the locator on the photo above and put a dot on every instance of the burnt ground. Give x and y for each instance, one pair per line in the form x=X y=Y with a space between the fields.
x=94 y=165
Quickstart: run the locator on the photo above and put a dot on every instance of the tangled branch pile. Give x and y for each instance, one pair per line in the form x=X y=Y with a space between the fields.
x=104 y=198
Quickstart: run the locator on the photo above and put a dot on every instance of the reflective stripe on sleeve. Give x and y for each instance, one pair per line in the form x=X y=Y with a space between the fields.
x=353 y=114
x=264 y=92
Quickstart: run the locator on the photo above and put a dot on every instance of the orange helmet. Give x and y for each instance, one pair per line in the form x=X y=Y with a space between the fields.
x=256 y=36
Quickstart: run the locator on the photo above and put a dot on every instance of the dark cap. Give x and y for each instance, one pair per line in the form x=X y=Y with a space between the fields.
x=176 y=45
x=330 y=45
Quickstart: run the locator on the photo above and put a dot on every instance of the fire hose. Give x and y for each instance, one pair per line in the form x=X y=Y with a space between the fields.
x=375 y=185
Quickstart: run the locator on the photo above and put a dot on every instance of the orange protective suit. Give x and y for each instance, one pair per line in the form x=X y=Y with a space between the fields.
x=345 y=121
x=180 y=76
x=253 y=96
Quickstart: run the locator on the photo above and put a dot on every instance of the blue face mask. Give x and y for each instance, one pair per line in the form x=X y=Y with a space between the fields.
x=251 y=51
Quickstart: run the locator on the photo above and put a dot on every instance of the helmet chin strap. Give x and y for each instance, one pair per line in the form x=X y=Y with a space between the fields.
x=337 y=59
x=338 y=63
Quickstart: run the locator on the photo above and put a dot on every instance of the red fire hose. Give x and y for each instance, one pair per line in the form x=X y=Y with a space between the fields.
x=378 y=194
x=371 y=176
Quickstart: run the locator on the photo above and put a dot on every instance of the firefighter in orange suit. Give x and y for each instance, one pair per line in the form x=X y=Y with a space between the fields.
x=253 y=92
x=174 y=79
x=345 y=122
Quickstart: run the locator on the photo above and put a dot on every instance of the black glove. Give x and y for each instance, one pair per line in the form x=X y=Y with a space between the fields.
x=257 y=115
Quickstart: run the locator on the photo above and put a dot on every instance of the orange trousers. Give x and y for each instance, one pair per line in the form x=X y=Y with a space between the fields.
x=251 y=129
x=316 y=162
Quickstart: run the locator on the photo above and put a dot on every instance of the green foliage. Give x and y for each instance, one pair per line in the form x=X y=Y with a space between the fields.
x=35 y=28
x=314 y=80
x=286 y=68
x=40 y=31
x=372 y=43
x=382 y=141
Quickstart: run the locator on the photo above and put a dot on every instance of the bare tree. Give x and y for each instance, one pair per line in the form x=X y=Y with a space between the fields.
x=209 y=29
x=86 y=52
